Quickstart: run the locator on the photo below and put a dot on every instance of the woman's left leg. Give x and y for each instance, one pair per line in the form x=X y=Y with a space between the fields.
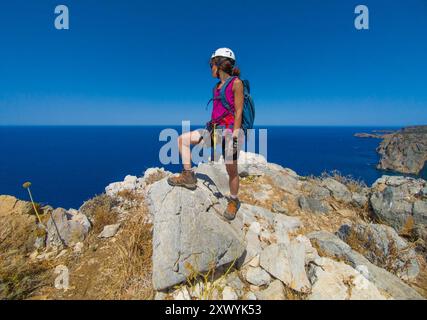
x=233 y=203
x=233 y=175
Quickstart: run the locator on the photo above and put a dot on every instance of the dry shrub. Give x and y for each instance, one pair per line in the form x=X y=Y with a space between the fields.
x=101 y=211
x=128 y=195
x=19 y=278
x=354 y=185
x=159 y=175
x=408 y=228
x=362 y=243
x=135 y=252
x=210 y=280
x=103 y=201
x=291 y=294
x=349 y=283
x=18 y=231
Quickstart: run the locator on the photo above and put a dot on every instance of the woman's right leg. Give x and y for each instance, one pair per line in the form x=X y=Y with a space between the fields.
x=187 y=178
x=184 y=144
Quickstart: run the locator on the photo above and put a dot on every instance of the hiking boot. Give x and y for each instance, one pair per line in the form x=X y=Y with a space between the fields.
x=186 y=179
x=232 y=208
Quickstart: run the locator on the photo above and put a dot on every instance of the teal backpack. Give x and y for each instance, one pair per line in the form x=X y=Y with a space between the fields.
x=248 y=115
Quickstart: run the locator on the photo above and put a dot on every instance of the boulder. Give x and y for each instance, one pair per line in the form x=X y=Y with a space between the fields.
x=109 y=231
x=420 y=212
x=217 y=173
x=286 y=263
x=232 y=280
x=249 y=296
x=315 y=191
x=393 y=207
x=62 y=229
x=329 y=245
x=228 y=293
x=257 y=276
x=397 y=201
x=253 y=247
x=81 y=219
x=130 y=183
x=337 y=281
x=277 y=207
x=339 y=191
x=181 y=294
x=275 y=291
x=282 y=223
x=382 y=246
x=248 y=214
x=313 y=205
x=189 y=236
x=285 y=181
x=310 y=252
x=360 y=199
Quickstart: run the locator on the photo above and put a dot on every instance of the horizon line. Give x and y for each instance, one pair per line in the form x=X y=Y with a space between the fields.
x=203 y=125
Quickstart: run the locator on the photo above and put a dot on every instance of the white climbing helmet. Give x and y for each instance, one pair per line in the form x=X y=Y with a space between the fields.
x=224 y=52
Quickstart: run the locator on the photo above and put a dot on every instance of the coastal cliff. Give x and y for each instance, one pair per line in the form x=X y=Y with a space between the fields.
x=294 y=237
x=403 y=151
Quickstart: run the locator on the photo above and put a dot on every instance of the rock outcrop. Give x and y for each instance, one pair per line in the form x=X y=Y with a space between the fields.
x=382 y=246
x=189 y=236
x=404 y=151
x=338 y=281
x=66 y=228
x=294 y=237
x=331 y=246
x=400 y=203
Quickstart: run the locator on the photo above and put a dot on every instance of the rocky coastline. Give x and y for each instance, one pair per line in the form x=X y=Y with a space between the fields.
x=295 y=237
x=403 y=151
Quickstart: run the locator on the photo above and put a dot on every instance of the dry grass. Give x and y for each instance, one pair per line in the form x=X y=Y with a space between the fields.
x=354 y=185
x=408 y=228
x=101 y=212
x=311 y=221
x=130 y=195
x=362 y=243
x=291 y=294
x=159 y=175
x=19 y=278
x=116 y=268
x=18 y=231
x=135 y=252
x=209 y=284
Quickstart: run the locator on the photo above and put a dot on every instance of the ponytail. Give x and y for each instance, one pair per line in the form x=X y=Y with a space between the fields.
x=227 y=65
x=235 y=72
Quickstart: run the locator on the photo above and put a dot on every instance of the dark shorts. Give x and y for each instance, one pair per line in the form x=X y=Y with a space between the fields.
x=229 y=152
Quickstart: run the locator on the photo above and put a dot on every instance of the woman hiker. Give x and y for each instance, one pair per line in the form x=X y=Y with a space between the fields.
x=227 y=120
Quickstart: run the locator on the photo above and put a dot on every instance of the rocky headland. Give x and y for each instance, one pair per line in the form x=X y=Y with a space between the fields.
x=403 y=151
x=294 y=237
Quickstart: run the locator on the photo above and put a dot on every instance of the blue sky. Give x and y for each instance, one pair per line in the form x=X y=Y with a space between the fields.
x=134 y=62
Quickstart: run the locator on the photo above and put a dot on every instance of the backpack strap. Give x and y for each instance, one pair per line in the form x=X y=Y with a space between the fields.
x=224 y=97
x=213 y=95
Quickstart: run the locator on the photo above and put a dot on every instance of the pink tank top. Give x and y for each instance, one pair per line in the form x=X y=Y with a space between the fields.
x=218 y=109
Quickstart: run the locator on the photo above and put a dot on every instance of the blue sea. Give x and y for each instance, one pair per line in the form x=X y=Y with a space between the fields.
x=68 y=165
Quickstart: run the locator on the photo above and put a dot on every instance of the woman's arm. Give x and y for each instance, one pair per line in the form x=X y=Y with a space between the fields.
x=238 y=105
